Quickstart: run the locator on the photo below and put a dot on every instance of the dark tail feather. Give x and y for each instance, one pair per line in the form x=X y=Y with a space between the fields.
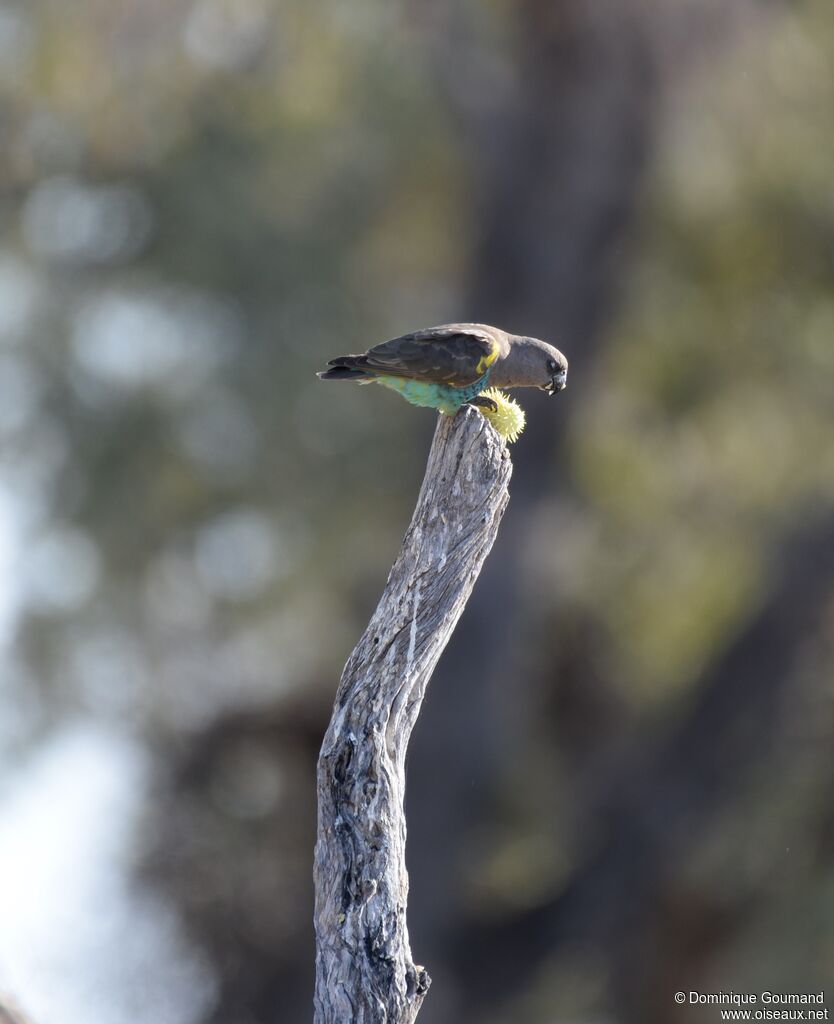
x=344 y=373
x=346 y=368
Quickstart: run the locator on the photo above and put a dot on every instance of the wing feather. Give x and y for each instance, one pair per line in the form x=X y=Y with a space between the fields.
x=453 y=354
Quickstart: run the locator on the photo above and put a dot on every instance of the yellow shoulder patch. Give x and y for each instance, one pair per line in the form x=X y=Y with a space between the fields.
x=486 y=361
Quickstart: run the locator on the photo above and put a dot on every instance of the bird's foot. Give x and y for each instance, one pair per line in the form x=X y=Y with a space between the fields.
x=482 y=402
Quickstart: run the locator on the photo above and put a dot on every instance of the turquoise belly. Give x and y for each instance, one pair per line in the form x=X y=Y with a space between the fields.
x=443 y=397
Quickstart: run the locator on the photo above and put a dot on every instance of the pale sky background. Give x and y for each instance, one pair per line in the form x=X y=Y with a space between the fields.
x=77 y=942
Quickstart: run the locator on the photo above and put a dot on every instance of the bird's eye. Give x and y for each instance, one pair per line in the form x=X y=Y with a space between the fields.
x=551 y=366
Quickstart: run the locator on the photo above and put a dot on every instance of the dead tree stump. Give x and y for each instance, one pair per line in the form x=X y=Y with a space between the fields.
x=364 y=970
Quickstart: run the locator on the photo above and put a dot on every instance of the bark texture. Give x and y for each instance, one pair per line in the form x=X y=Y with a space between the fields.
x=364 y=969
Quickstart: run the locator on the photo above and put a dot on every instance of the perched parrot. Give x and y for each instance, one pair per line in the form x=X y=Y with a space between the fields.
x=449 y=366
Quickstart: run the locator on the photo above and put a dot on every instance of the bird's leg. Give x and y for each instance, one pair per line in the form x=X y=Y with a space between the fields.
x=482 y=402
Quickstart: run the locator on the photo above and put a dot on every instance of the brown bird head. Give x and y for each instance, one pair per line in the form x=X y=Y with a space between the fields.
x=531 y=363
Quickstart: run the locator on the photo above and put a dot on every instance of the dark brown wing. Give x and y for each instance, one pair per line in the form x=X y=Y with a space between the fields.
x=454 y=354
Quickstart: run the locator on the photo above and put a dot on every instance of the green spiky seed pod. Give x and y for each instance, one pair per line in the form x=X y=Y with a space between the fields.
x=509 y=417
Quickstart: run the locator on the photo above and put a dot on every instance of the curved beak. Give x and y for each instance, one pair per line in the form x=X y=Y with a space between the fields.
x=558 y=382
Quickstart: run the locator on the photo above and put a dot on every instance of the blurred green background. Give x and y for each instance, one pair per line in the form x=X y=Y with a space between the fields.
x=622 y=783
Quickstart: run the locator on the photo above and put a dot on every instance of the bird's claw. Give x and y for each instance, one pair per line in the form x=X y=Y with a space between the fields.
x=482 y=402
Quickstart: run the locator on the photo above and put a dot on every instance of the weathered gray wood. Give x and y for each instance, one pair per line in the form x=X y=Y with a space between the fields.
x=364 y=970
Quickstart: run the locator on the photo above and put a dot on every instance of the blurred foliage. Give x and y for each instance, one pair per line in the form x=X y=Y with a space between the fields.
x=712 y=423
x=201 y=225
x=202 y=201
